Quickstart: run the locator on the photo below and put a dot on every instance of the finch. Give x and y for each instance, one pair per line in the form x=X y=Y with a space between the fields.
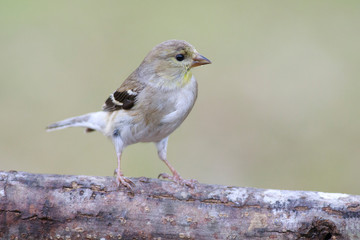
x=149 y=105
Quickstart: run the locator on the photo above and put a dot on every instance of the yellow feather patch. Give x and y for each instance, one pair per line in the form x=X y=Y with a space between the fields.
x=187 y=78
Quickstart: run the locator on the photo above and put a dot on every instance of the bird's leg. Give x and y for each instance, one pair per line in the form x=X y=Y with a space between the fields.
x=162 y=147
x=120 y=179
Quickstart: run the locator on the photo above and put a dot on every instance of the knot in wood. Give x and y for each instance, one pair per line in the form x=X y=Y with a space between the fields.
x=320 y=229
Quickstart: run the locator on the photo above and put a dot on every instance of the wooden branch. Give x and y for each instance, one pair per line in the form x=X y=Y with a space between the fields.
x=35 y=206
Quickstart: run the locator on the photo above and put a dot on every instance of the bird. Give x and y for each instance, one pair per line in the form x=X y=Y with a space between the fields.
x=148 y=106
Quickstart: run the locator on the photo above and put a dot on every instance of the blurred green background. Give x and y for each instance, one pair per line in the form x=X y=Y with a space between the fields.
x=278 y=108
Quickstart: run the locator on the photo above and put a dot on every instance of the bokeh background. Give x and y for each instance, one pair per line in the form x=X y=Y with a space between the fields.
x=278 y=108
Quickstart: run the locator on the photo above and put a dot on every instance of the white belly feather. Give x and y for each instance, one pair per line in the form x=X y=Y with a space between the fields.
x=175 y=109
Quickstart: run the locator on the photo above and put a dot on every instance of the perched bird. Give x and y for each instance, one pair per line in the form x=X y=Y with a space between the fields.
x=150 y=104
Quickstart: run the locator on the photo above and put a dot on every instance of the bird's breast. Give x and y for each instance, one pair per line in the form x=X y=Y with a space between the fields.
x=161 y=116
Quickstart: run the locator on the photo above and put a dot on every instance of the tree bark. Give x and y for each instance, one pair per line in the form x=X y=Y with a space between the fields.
x=37 y=206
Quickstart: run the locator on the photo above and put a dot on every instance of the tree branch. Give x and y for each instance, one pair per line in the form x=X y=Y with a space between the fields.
x=36 y=206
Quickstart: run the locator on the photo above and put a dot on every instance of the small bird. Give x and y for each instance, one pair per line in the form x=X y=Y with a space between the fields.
x=149 y=105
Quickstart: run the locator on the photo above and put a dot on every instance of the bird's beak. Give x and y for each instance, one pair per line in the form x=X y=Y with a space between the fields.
x=199 y=60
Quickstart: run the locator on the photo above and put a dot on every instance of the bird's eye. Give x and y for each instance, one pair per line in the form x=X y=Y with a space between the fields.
x=180 y=57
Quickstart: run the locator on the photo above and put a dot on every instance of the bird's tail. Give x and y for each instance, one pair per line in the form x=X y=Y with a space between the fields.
x=91 y=121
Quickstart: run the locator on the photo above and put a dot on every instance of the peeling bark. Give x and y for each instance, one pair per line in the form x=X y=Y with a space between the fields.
x=36 y=206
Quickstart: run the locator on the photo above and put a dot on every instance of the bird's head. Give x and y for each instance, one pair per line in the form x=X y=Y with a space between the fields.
x=170 y=62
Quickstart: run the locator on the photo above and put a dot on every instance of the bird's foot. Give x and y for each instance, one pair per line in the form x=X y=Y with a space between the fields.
x=179 y=180
x=121 y=180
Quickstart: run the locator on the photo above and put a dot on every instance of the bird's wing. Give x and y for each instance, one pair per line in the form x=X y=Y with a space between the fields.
x=124 y=97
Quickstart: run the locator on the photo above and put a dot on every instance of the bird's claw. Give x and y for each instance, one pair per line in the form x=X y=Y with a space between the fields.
x=121 y=180
x=179 y=180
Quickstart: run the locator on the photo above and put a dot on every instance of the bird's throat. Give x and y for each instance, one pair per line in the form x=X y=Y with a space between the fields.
x=187 y=78
x=171 y=82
